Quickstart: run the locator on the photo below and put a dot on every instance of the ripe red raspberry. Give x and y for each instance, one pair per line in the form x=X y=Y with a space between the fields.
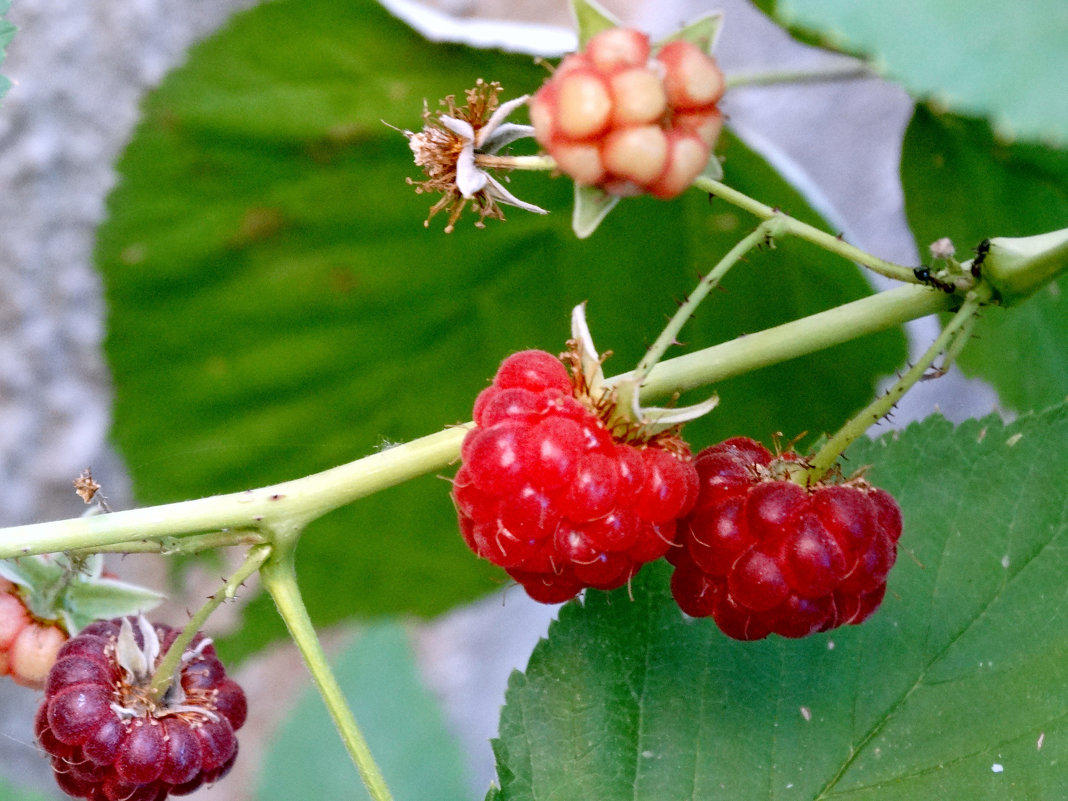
x=111 y=740
x=618 y=117
x=761 y=554
x=549 y=493
x=27 y=646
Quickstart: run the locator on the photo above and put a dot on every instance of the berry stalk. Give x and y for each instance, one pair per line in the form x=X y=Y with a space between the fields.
x=280 y=580
x=843 y=72
x=669 y=336
x=807 y=232
x=956 y=332
x=167 y=668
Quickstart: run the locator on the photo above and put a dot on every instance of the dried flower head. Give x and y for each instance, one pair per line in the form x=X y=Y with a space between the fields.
x=452 y=146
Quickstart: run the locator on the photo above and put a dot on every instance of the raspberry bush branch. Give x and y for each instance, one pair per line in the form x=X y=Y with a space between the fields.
x=235 y=518
x=807 y=232
x=279 y=578
x=843 y=72
x=953 y=337
x=168 y=667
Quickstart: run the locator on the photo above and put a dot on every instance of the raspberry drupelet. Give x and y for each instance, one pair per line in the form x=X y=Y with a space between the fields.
x=558 y=490
x=761 y=554
x=111 y=739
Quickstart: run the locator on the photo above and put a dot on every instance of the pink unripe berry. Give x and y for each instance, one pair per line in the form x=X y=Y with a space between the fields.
x=33 y=653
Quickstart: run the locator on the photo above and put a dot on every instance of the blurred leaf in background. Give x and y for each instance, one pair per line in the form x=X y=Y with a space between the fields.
x=399 y=717
x=1006 y=62
x=7 y=32
x=962 y=182
x=957 y=687
x=276 y=306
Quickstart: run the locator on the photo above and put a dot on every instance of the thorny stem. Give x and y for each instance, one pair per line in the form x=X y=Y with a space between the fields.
x=838 y=72
x=807 y=232
x=669 y=336
x=302 y=500
x=168 y=666
x=280 y=580
x=172 y=546
x=949 y=342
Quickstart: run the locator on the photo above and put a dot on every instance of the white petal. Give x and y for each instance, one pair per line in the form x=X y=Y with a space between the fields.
x=502 y=195
x=459 y=127
x=469 y=179
x=505 y=135
x=498 y=116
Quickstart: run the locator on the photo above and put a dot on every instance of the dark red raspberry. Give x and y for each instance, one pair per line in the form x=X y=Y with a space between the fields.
x=761 y=554
x=547 y=492
x=111 y=740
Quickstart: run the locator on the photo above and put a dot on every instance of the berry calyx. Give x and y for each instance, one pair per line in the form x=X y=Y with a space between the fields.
x=619 y=117
x=761 y=554
x=559 y=488
x=111 y=738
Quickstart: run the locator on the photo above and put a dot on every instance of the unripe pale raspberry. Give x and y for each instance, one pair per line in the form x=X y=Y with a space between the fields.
x=761 y=554
x=549 y=494
x=33 y=653
x=27 y=647
x=110 y=738
x=616 y=119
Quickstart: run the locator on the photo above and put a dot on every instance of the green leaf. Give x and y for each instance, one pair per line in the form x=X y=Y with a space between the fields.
x=9 y=792
x=7 y=33
x=981 y=57
x=398 y=716
x=276 y=306
x=956 y=688
x=105 y=598
x=961 y=182
x=590 y=19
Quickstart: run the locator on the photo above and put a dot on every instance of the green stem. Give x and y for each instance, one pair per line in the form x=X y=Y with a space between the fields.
x=168 y=666
x=280 y=580
x=669 y=335
x=791 y=340
x=773 y=77
x=301 y=500
x=807 y=232
x=533 y=163
x=173 y=546
x=949 y=342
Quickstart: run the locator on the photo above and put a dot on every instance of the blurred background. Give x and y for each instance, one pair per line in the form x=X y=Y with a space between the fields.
x=81 y=72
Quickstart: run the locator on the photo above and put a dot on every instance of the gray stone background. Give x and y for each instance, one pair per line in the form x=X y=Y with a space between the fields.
x=80 y=71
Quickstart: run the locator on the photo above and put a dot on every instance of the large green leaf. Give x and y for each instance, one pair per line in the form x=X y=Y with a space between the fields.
x=276 y=306
x=962 y=183
x=984 y=57
x=397 y=714
x=956 y=688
